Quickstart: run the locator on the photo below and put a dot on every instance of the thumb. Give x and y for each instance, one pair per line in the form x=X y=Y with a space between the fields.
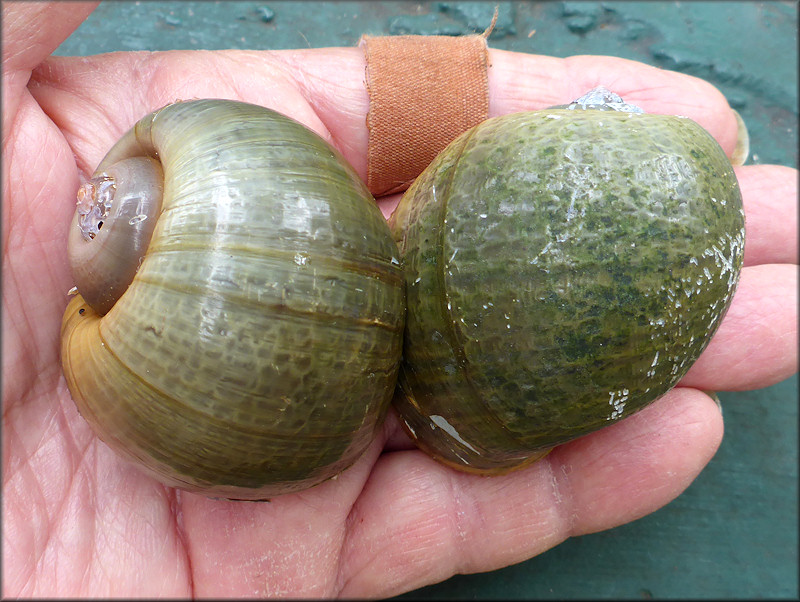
x=31 y=31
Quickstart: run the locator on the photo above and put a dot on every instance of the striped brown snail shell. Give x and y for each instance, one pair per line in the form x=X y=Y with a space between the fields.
x=238 y=326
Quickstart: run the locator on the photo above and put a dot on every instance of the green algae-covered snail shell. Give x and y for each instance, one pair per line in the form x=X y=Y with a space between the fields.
x=240 y=336
x=564 y=268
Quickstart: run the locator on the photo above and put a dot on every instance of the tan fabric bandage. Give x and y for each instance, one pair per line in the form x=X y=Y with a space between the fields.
x=423 y=92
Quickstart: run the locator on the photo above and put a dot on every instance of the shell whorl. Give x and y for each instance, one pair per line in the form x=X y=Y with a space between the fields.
x=256 y=350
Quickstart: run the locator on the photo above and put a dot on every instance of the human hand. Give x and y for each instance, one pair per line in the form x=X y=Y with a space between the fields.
x=78 y=521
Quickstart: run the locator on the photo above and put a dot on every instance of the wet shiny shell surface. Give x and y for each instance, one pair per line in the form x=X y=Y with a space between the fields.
x=563 y=270
x=256 y=351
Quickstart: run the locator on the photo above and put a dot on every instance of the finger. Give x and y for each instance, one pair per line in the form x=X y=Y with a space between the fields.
x=397 y=438
x=31 y=31
x=524 y=82
x=331 y=82
x=334 y=84
x=388 y=203
x=418 y=522
x=769 y=193
x=94 y=100
x=756 y=343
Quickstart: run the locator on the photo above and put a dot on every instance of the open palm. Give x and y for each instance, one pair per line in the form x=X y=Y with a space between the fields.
x=79 y=521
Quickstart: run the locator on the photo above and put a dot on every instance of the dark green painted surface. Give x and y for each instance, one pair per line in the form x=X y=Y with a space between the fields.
x=734 y=532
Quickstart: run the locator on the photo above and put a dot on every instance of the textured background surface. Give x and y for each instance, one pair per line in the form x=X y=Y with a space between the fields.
x=734 y=532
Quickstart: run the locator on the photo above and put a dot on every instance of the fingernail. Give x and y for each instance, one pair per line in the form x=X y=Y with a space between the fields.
x=713 y=395
x=742 y=150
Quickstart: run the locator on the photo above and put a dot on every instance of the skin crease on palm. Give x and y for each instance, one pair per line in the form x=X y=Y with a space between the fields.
x=77 y=521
